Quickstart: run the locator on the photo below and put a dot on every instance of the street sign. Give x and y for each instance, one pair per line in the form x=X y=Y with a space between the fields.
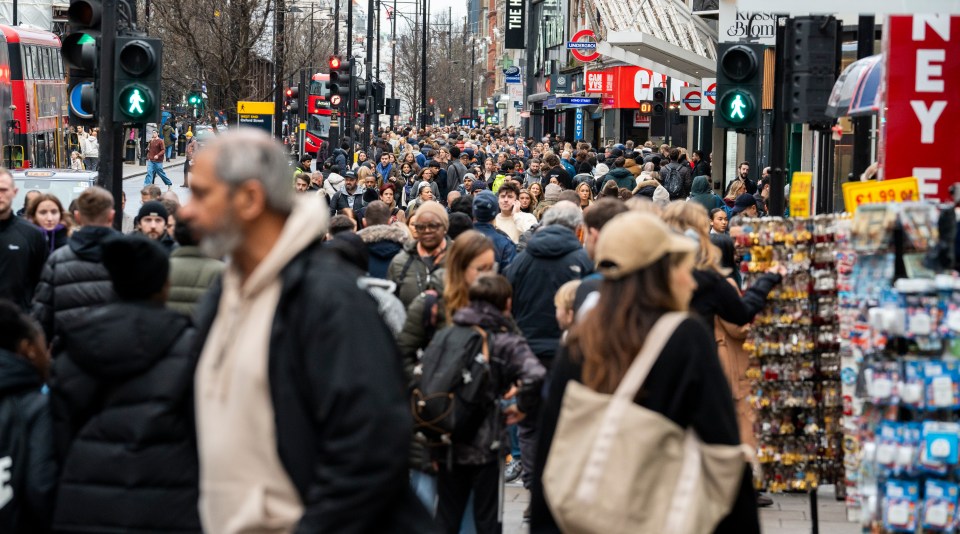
x=922 y=108
x=256 y=108
x=512 y=75
x=551 y=103
x=800 y=192
x=256 y=115
x=856 y=194
x=709 y=86
x=577 y=101
x=691 y=102
x=578 y=125
x=575 y=46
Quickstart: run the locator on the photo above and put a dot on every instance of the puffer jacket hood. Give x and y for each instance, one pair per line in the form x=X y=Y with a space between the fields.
x=553 y=242
x=17 y=374
x=110 y=341
x=619 y=172
x=86 y=242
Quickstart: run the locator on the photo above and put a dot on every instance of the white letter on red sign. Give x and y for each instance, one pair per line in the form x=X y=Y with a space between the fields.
x=930 y=67
x=938 y=23
x=928 y=118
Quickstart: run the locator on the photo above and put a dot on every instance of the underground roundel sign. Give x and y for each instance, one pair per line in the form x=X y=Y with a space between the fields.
x=584 y=50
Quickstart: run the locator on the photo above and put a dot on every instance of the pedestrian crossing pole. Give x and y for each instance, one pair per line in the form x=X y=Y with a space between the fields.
x=111 y=133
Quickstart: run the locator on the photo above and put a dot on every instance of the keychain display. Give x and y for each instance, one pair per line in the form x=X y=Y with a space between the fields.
x=899 y=322
x=794 y=344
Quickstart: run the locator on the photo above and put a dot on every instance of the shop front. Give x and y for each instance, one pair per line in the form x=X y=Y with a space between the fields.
x=626 y=101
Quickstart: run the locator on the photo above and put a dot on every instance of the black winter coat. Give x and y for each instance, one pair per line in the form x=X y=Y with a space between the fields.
x=717 y=296
x=121 y=392
x=73 y=282
x=26 y=449
x=553 y=257
x=687 y=385
x=343 y=421
x=24 y=250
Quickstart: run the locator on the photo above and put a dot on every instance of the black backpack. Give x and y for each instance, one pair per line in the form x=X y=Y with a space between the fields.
x=453 y=389
x=673 y=182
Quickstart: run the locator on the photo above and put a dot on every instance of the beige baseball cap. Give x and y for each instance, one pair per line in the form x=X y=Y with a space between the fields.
x=634 y=240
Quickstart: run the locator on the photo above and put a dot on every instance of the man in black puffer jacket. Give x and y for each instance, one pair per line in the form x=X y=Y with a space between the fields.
x=121 y=398
x=74 y=280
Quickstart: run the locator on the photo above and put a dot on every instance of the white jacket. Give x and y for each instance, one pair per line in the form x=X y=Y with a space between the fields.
x=91 y=146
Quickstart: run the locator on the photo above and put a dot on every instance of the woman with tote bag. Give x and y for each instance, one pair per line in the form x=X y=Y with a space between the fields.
x=638 y=431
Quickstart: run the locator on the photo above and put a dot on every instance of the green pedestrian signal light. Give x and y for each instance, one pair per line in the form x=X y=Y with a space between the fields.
x=737 y=107
x=136 y=101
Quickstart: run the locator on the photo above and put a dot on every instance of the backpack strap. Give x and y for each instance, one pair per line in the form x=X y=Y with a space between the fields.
x=403 y=272
x=486 y=342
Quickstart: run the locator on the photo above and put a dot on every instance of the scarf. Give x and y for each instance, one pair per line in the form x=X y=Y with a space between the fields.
x=51 y=235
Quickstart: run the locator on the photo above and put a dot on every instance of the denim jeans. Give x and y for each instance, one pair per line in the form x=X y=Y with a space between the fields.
x=425 y=486
x=169 y=152
x=155 y=167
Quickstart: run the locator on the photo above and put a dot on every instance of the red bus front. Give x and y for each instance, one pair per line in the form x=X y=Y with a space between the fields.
x=318 y=114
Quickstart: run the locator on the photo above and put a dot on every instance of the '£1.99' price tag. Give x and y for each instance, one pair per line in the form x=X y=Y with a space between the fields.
x=856 y=194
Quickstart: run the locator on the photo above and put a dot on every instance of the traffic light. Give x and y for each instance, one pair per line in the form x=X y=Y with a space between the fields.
x=659 y=101
x=739 y=85
x=293 y=100
x=379 y=96
x=361 y=93
x=811 y=67
x=340 y=74
x=81 y=54
x=195 y=99
x=431 y=101
x=137 y=79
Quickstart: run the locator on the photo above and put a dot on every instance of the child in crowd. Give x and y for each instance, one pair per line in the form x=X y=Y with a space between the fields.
x=563 y=301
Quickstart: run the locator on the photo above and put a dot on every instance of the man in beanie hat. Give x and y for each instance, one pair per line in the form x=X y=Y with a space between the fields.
x=285 y=334
x=485 y=210
x=122 y=377
x=745 y=205
x=152 y=222
x=414 y=269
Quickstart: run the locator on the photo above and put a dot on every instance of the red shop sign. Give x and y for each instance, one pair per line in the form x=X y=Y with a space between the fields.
x=922 y=101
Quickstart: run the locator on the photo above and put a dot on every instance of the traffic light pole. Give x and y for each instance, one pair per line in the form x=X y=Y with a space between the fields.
x=368 y=111
x=346 y=132
x=778 y=148
x=111 y=134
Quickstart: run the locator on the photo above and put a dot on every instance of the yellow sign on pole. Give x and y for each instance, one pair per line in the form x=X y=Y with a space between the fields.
x=880 y=192
x=255 y=108
x=800 y=191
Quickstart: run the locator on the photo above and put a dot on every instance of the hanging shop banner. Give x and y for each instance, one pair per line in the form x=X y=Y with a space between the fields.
x=801 y=186
x=596 y=81
x=578 y=125
x=856 y=194
x=626 y=87
x=516 y=25
x=922 y=101
x=735 y=25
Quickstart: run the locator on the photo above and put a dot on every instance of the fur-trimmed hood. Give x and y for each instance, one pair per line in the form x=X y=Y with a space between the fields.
x=385 y=232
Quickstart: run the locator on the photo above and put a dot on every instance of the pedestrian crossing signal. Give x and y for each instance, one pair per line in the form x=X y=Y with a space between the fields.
x=137 y=63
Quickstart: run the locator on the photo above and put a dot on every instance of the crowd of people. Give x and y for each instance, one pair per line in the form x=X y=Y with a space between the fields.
x=374 y=343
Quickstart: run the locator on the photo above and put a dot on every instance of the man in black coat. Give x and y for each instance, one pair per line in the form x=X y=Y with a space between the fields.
x=74 y=279
x=294 y=409
x=552 y=258
x=23 y=249
x=120 y=392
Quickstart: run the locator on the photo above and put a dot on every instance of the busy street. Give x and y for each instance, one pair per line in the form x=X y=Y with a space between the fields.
x=482 y=267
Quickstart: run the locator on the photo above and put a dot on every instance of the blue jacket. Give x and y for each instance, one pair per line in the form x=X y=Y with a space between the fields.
x=503 y=248
x=552 y=258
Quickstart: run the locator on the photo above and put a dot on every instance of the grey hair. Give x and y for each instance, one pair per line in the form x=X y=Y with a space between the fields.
x=251 y=154
x=564 y=213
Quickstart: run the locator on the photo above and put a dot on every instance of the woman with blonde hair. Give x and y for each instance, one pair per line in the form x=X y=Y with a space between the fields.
x=528 y=203
x=585 y=194
x=735 y=189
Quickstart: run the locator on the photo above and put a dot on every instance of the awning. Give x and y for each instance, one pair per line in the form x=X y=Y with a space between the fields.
x=857 y=90
x=644 y=50
x=538 y=97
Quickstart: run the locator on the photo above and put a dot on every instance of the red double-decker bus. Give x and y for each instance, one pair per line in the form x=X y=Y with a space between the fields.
x=319 y=115
x=33 y=97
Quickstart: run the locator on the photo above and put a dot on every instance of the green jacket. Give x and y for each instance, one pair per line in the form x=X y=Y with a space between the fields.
x=417 y=277
x=191 y=274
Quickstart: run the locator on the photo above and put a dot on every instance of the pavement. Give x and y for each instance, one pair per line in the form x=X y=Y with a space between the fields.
x=134 y=174
x=790 y=513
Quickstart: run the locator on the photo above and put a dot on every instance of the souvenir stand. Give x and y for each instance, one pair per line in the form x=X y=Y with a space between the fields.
x=900 y=320
x=794 y=343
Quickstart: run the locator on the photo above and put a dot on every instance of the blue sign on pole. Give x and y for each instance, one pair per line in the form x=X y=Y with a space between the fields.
x=551 y=103
x=578 y=125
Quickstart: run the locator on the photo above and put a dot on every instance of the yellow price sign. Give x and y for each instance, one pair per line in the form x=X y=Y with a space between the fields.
x=880 y=192
x=800 y=188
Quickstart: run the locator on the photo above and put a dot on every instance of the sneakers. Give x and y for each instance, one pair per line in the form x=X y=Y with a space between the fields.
x=763 y=500
x=513 y=470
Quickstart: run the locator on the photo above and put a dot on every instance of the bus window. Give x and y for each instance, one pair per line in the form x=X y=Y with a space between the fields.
x=13 y=156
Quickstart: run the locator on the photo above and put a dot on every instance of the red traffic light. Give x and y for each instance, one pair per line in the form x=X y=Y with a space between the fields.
x=432 y=101
x=334 y=62
x=289 y=93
